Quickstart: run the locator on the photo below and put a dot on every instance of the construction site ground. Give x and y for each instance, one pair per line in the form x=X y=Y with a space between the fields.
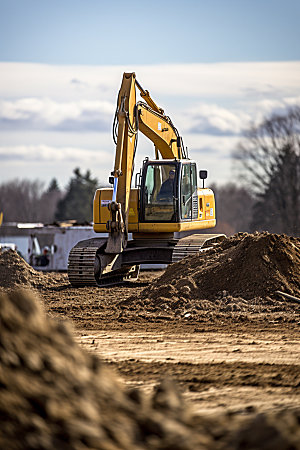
x=227 y=365
x=213 y=322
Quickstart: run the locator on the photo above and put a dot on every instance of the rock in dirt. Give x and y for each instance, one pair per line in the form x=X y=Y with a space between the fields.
x=54 y=395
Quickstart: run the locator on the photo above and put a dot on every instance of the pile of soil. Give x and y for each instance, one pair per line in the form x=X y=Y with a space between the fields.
x=15 y=271
x=241 y=274
x=245 y=265
x=54 y=395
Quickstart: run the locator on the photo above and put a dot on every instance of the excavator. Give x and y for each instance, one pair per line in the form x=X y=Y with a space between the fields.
x=165 y=203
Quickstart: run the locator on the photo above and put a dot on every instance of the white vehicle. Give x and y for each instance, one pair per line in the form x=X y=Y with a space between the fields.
x=47 y=247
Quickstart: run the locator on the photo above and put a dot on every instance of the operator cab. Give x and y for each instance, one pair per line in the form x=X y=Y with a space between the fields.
x=169 y=191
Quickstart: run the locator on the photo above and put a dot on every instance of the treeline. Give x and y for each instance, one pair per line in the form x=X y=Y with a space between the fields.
x=266 y=195
x=30 y=201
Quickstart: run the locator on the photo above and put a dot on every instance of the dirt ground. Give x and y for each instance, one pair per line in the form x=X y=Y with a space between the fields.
x=229 y=353
x=235 y=363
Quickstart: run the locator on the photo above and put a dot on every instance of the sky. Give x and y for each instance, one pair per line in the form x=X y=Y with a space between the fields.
x=214 y=67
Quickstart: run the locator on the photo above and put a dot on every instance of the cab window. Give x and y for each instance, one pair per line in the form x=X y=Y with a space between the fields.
x=159 y=193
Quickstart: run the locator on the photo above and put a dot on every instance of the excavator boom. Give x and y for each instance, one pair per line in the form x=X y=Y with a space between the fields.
x=154 y=124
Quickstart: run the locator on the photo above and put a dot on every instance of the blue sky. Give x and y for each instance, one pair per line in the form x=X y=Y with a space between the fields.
x=140 y=32
x=214 y=66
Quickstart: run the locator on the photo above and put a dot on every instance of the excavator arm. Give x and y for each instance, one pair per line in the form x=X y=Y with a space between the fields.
x=131 y=117
x=125 y=135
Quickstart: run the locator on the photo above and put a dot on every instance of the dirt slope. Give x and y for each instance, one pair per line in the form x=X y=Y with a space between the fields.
x=16 y=272
x=245 y=265
x=55 y=395
x=239 y=277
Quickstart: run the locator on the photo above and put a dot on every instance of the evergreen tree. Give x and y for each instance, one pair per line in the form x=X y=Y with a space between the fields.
x=49 y=201
x=53 y=186
x=77 y=204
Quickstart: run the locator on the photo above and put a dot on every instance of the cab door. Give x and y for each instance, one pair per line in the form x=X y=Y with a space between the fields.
x=188 y=192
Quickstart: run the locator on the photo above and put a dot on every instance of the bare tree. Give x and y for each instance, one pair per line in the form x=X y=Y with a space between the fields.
x=269 y=164
x=233 y=208
x=19 y=200
x=27 y=201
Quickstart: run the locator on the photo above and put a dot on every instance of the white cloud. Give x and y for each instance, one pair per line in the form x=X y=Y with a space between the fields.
x=53 y=154
x=213 y=119
x=292 y=101
x=219 y=80
x=47 y=113
x=53 y=118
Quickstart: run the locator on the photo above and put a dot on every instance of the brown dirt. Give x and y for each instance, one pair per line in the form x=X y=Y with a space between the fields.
x=242 y=267
x=212 y=322
x=237 y=280
x=15 y=271
x=55 y=395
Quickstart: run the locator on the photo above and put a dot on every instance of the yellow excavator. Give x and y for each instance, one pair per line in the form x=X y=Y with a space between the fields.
x=166 y=200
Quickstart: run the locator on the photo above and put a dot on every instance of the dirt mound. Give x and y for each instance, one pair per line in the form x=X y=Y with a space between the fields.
x=15 y=271
x=239 y=276
x=245 y=265
x=54 y=395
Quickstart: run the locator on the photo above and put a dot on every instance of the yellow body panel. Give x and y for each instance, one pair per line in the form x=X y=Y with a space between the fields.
x=173 y=227
x=102 y=199
x=206 y=214
x=206 y=205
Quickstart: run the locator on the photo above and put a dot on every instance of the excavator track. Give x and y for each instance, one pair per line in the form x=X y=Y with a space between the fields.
x=89 y=265
x=81 y=266
x=84 y=266
x=195 y=243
